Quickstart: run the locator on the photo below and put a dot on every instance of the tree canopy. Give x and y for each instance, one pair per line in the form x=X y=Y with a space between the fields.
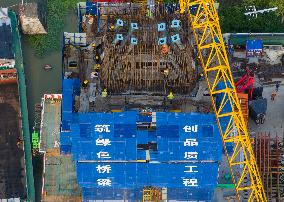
x=233 y=19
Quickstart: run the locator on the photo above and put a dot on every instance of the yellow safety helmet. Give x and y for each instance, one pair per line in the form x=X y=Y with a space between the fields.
x=104 y=93
x=171 y=96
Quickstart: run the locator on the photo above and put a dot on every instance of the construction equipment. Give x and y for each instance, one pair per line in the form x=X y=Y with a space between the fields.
x=244 y=100
x=151 y=194
x=214 y=60
x=246 y=83
x=215 y=63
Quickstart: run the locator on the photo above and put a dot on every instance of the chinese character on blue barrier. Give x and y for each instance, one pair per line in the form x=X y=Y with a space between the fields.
x=190 y=142
x=189 y=129
x=103 y=142
x=190 y=169
x=190 y=182
x=190 y=155
x=102 y=128
x=103 y=169
x=103 y=155
x=104 y=182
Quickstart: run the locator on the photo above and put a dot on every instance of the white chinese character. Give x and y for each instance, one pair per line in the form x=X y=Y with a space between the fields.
x=104 y=182
x=190 y=142
x=103 y=155
x=190 y=182
x=190 y=169
x=102 y=128
x=190 y=155
x=103 y=142
x=103 y=169
x=189 y=129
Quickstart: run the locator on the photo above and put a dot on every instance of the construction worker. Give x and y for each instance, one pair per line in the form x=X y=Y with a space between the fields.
x=262 y=118
x=171 y=96
x=201 y=76
x=104 y=93
x=85 y=84
x=19 y=142
x=277 y=87
x=112 y=27
x=165 y=49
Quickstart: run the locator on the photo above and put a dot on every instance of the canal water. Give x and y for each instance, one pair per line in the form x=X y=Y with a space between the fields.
x=38 y=80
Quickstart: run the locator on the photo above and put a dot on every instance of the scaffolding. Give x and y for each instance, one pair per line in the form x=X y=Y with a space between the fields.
x=269 y=153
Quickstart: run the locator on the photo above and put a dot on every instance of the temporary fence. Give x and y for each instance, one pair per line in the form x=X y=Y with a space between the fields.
x=111 y=151
x=24 y=108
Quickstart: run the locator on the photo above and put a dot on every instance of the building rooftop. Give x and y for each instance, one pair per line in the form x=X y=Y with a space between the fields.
x=12 y=168
x=6 y=51
x=50 y=128
x=59 y=176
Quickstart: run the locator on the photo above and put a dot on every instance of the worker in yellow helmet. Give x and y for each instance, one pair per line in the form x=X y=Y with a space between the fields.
x=85 y=83
x=171 y=96
x=104 y=93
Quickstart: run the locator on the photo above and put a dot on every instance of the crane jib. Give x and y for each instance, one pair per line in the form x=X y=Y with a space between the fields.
x=213 y=58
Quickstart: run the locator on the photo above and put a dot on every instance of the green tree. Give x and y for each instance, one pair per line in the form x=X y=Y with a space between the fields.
x=233 y=19
x=280 y=5
x=263 y=4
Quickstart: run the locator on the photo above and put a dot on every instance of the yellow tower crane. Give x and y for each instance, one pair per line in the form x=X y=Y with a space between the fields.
x=215 y=63
x=214 y=60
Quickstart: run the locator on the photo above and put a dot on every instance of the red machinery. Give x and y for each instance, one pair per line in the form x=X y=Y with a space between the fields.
x=246 y=82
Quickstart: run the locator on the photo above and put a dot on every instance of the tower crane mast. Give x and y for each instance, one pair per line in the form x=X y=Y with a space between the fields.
x=233 y=130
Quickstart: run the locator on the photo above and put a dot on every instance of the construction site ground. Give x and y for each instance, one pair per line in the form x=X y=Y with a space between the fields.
x=12 y=172
x=274 y=121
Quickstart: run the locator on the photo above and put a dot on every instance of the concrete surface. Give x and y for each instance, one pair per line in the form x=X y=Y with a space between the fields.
x=274 y=122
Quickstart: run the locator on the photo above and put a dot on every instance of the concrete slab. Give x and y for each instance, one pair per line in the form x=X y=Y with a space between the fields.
x=274 y=122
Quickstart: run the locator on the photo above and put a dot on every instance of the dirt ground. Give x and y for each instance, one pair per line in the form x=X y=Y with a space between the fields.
x=12 y=173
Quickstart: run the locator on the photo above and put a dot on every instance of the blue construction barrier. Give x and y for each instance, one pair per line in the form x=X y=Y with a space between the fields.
x=95 y=138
